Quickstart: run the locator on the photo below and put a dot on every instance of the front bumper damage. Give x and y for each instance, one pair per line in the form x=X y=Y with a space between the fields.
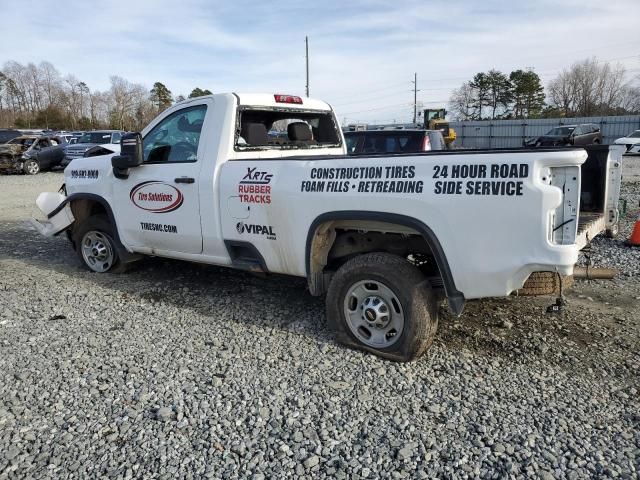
x=58 y=212
x=11 y=164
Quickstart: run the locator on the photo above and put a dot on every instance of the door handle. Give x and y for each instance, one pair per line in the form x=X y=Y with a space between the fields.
x=184 y=180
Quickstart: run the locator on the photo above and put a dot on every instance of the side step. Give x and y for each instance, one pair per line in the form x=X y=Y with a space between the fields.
x=245 y=256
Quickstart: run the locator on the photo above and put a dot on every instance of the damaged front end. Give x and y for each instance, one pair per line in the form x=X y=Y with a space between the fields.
x=58 y=211
x=11 y=158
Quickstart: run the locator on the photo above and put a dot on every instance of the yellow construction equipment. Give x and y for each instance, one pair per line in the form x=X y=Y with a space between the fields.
x=434 y=119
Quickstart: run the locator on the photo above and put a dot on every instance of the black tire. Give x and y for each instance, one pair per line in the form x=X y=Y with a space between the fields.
x=411 y=289
x=31 y=167
x=105 y=231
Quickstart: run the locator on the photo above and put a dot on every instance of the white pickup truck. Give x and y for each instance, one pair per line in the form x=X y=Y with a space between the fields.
x=263 y=183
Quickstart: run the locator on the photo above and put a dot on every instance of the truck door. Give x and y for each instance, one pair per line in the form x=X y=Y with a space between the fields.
x=158 y=206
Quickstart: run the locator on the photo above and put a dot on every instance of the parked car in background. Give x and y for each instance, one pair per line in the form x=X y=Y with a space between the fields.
x=394 y=141
x=7 y=134
x=630 y=141
x=75 y=136
x=66 y=135
x=91 y=139
x=585 y=134
x=30 y=154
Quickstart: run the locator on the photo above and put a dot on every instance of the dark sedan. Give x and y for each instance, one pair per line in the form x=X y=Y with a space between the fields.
x=586 y=134
x=30 y=154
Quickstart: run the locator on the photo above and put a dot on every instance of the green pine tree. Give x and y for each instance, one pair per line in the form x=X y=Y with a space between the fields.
x=528 y=94
x=198 y=92
x=160 y=96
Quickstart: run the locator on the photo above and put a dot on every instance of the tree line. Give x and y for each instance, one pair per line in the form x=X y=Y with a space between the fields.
x=38 y=96
x=587 y=88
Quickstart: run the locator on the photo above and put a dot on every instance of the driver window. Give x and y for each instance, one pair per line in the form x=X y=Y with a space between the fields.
x=175 y=138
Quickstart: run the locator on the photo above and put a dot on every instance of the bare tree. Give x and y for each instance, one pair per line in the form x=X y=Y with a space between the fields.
x=589 y=88
x=462 y=102
x=128 y=103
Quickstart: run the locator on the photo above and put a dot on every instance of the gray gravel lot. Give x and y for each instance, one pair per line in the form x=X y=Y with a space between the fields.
x=178 y=370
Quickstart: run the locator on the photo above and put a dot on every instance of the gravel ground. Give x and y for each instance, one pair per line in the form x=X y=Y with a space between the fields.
x=182 y=370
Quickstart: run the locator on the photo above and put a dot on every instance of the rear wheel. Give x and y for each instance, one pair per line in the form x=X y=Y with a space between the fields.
x=95 y=246
x=380 y=303
x=31 y=167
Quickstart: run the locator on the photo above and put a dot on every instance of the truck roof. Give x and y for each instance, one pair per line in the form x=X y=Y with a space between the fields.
x=269 y=100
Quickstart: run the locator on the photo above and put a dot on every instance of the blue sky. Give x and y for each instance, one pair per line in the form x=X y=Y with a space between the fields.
x=363 y=53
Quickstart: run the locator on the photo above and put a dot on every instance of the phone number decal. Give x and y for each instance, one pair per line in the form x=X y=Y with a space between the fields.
x=84 y=173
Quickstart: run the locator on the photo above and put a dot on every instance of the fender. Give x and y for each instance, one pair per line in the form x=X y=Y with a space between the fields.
x=454 y=296
x=125 y=255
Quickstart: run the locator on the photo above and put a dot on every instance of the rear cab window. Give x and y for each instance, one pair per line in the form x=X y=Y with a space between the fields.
x=281 y=128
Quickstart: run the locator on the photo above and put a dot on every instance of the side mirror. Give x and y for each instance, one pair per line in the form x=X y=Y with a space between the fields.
x=130 y=155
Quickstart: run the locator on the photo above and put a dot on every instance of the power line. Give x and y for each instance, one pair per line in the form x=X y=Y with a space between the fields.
x=393 y=86
x=456 y=79
x=392 y=106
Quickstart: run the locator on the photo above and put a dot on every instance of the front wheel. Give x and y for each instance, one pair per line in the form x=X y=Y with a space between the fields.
x=93 y=240
x=31 y=167
x=380 y=303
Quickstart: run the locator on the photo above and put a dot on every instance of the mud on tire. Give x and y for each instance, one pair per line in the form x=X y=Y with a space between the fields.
x=410 y=294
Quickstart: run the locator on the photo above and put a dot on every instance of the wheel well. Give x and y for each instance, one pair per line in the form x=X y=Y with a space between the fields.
x=85 y=208
x=335 y=242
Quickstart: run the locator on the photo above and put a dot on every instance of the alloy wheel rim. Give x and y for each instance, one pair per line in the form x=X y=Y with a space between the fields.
x=32 y=167
x=97 y=251
x=374 y=314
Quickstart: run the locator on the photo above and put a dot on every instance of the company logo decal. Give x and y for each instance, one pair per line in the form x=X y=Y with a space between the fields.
x=254 y=186
x=157 y=197
x=252 y=229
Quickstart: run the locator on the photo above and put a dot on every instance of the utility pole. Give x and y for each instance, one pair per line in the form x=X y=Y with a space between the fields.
x=415 y=98
x=306 y=45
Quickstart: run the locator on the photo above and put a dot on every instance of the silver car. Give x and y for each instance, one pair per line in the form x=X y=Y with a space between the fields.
x=91 y=139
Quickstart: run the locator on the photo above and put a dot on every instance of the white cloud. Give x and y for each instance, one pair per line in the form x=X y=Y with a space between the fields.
x=363 y=53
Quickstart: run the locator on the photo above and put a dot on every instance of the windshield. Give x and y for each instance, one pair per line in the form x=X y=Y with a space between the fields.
x=635 y=134
x=95 y=137
x=560 y=131
x=27 y=142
